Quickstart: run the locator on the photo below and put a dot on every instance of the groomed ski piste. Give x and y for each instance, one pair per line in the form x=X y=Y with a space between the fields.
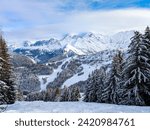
x=72 y=107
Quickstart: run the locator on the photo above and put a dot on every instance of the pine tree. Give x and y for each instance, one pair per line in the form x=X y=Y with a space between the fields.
x=92 y=87
x=6 y=73
x=57 y=94
x=49 y=95
x=106 y=90
x=64 y=95
x=95 y=86
x=146 y=41
x=2 y=86
x=136 y=73
x=77 y=92
x=3 y=96
x=101 y=84
x=114 y=79
x=88 y=88
x=43 y=95
x=74 y=94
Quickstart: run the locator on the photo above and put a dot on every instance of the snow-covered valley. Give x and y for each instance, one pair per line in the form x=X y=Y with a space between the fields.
x=49 y=69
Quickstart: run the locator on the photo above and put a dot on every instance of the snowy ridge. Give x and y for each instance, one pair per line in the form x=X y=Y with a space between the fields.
x=87 y=43
x=48 y=45
x=81 y=44
x=121 y=40
x=73 y=49
x=92 y=43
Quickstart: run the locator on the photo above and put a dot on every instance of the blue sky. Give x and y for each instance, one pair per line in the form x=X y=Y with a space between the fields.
x=107 y=4
x=41 y=19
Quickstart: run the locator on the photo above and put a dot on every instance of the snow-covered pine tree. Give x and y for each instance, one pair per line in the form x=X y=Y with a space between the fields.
x=3 y=87
x=53 y=94
x=92 y=88
x=88 y=88
x=6 y=73
x=64 y=95
x=3 y=96
x=57 y=94
x=50 y=94
x=146 y=41
x=115 y=77
x=77 y=92
x=136 y=73
x=146 y=37
x=42 y=95
x=47 y=94
x=74 y=94
x=101 y=84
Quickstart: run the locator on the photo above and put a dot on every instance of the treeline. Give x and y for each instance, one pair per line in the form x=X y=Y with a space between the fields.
x=55 y=94
x=7 y=84
x=128 y=80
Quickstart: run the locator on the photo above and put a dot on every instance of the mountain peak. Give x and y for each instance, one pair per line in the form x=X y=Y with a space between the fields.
x=26 y=43
x=83 y=43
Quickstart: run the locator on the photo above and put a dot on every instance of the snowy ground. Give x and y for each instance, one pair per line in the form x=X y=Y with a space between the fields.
x=73 y=107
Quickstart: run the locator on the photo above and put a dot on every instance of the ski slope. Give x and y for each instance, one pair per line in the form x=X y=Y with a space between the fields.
x=50 y=78
x=87 y=69
x=72 y=107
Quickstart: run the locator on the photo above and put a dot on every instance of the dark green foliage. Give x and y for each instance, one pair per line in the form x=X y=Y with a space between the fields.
x=113 y=82
x=95 y=86
x=64 y=95
x=74 y=94
x=136 y=87
x=6 y=74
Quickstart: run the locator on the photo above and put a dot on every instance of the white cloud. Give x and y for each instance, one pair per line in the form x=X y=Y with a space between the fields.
x=109 y=21
x=37 y=19
x=101 y=21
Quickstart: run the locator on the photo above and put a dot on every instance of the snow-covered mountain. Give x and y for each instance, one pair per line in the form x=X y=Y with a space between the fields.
x=121 y=40
x=71 y=59
x=41 y=51
x=81 y=44
x=86 y=43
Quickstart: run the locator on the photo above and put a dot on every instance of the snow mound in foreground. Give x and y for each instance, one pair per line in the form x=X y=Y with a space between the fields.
x=72 y=107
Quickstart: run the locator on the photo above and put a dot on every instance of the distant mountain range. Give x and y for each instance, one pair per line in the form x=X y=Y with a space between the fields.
x=81 y=44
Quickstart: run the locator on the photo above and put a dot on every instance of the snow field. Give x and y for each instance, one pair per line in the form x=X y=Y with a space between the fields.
x=72 y=107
